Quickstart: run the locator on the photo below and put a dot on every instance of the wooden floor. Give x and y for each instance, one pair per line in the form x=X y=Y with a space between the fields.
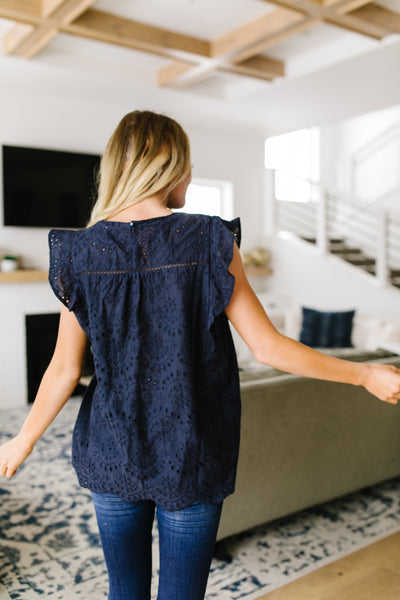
x=372 y=573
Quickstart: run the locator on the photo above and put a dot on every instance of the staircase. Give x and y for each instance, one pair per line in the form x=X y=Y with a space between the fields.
x=363 y=227
x=352 y=255
x=355 y=256
x=360 y=235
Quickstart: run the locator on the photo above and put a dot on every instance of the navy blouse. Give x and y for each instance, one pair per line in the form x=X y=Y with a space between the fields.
x=160 y=419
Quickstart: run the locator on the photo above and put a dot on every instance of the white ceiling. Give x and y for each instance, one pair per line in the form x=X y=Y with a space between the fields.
x=205 y=19
x=322 y=49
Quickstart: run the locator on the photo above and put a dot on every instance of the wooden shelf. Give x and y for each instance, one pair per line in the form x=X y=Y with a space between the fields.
x=24 y=276
x=258 y=271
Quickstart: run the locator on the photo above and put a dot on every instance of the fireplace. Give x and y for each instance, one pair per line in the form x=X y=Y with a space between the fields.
x=41 y=335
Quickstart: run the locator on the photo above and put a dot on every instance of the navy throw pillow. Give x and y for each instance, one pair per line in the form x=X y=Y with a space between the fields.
x=326 y=329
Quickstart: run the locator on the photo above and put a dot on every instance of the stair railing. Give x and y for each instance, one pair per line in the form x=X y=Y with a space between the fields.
x=332 y=215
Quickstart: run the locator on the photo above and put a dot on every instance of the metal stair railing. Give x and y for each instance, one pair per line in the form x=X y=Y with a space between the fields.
x=357 y=225
x=393 y=248
x=297 y=218
x=370 y=237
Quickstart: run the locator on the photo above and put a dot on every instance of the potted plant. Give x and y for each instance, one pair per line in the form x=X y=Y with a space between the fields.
x=9 y=263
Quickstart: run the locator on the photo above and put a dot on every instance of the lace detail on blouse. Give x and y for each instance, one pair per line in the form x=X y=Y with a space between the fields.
x=160 y=419
x=191 y=264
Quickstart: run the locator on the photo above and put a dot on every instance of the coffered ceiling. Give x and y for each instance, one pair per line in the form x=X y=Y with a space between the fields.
x=194 y=41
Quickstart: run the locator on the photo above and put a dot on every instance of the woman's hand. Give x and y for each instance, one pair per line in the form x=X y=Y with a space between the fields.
x=270 y=347
x=383 y=381
x=12 y=455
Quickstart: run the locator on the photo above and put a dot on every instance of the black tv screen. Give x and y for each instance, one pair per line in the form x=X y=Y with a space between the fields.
x=48 y=188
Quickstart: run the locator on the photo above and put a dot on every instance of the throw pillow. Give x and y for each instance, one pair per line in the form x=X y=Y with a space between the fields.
x=326 y=329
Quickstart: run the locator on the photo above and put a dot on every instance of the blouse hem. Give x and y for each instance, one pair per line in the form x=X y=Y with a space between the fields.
x=161 y=502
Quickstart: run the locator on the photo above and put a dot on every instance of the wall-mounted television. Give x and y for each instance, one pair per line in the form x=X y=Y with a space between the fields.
x=47 y=188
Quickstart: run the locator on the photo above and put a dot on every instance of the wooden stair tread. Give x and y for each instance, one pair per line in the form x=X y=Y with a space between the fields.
x=360 y=261
x=344 y=250
x=355 y=256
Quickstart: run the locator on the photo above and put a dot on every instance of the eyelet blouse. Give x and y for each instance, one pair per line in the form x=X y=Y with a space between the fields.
x=160 y=419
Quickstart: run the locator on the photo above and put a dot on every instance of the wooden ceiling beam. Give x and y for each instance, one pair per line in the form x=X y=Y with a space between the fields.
x=192 y=74
x=74 y=17
x=234 y=47
x=269 y=66
x=342 y=7
x=49 y=6
x=339 y=13
x=26 y=40
x=302 y=24
x=267 y=25
x=380 y=16
x=25 y=43
x=364 y=27
x=173 y=72
x=24 y=11
x=105 y=27
x=247 y=42
x=180 y=75
x=308 y=7
x=66 y=11
x=260 y=67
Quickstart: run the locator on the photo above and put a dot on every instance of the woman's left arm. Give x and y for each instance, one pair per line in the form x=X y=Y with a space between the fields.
x=58 y=382
x=270 y=347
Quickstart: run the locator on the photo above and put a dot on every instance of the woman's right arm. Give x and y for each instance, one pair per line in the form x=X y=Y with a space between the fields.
x=270 y=347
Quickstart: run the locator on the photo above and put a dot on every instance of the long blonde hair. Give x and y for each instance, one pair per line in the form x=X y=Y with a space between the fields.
x=147 y=153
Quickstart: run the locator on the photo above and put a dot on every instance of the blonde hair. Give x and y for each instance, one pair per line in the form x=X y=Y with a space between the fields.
x=147 y=153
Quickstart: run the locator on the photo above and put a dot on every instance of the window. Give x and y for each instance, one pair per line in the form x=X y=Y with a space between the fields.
x=209 y=197
x=295 y=158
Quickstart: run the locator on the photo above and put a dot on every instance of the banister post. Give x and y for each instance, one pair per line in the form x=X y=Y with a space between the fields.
x=381 y=249
x=270 y=212
x=322 y=240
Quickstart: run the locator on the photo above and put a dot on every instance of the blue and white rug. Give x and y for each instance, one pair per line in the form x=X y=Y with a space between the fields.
x=49 y=545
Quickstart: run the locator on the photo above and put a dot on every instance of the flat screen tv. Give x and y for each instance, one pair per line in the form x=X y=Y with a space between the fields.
x=47 y=188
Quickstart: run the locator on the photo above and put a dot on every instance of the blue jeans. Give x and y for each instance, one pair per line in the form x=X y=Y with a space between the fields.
x=186 y=539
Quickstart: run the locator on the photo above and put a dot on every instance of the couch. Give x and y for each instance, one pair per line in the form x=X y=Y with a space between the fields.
x=306 y=441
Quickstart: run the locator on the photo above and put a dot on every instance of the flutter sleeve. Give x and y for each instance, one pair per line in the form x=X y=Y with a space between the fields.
x=61 y=276
x=222 y=237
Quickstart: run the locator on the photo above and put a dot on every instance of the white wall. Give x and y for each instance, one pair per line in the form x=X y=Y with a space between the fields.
x=340 y=140
x=327 y=283
x=357 y=132
x=31 y=117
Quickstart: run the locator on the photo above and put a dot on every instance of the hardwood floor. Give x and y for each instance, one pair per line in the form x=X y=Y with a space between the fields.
x=372 y=573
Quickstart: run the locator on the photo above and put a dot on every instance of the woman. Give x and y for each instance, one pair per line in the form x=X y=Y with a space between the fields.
x=158 y=428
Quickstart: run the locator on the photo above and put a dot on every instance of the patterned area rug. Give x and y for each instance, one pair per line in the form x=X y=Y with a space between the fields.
x=49 y=546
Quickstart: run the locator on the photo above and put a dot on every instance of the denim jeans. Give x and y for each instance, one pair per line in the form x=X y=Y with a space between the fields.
x=186 y=540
